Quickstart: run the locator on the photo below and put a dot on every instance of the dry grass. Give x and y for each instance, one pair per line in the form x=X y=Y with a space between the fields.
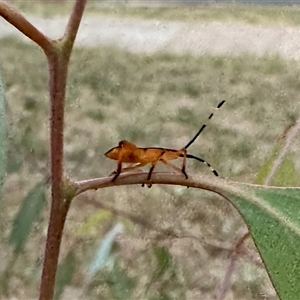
x=245 y=13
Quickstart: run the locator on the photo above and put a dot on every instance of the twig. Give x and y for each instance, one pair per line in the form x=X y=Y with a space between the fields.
x=291 y=135
x=203 y=181
x=224 y=285
x=74 y=22
x=15 y=18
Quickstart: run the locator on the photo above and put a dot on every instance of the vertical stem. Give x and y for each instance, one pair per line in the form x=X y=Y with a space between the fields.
x=58 y=54
x=58 y=66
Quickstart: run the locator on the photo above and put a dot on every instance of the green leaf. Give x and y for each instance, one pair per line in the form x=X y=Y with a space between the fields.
x=164 y=260
x=286 y=174
x=120 y=284
x=90 y=226
x=161 y=296
x=29 y=212
x=273 y=217
x=3 y=139
x=65 y=274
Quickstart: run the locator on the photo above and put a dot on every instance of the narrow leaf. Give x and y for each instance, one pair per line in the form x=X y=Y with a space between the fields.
x=286 y=175
x=164 y=260
x=161 y=296
x=120 y=284
x=65 y=274
x=104 y=250
x=90 y=226
x=29 y=212
x=3 y=139
x=272 y=215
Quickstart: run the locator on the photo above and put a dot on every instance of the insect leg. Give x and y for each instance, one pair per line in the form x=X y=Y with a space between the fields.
x=174 y=167
x=139 y=165
x=150 y=172
x=183 y=164
x=153 y=165
x=118 y=172
x=149 y=185
x=119 y=169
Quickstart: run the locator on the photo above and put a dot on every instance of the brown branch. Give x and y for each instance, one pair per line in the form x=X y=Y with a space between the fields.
x=15 y=18
x=52 y=249
x=236 y=252
x=58 y=61
x=59 y=208
x=74 y=22
x=203 y=182
x=224 y=286
x=291 y=135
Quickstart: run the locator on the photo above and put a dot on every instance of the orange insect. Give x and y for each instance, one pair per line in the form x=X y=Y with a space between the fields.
x=127 y=152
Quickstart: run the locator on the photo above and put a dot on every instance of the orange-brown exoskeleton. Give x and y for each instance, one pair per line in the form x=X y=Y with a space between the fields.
x=127 y=152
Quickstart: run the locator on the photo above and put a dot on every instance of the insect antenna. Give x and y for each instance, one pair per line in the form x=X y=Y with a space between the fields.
x=203 y=126
x=204 y=162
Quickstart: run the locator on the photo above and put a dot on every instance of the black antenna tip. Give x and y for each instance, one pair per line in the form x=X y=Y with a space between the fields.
x=221 y=103
x=215 y=172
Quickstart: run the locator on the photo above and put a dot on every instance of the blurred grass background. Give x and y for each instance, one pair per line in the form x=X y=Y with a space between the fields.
x=151 y=100
x=174 y=11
